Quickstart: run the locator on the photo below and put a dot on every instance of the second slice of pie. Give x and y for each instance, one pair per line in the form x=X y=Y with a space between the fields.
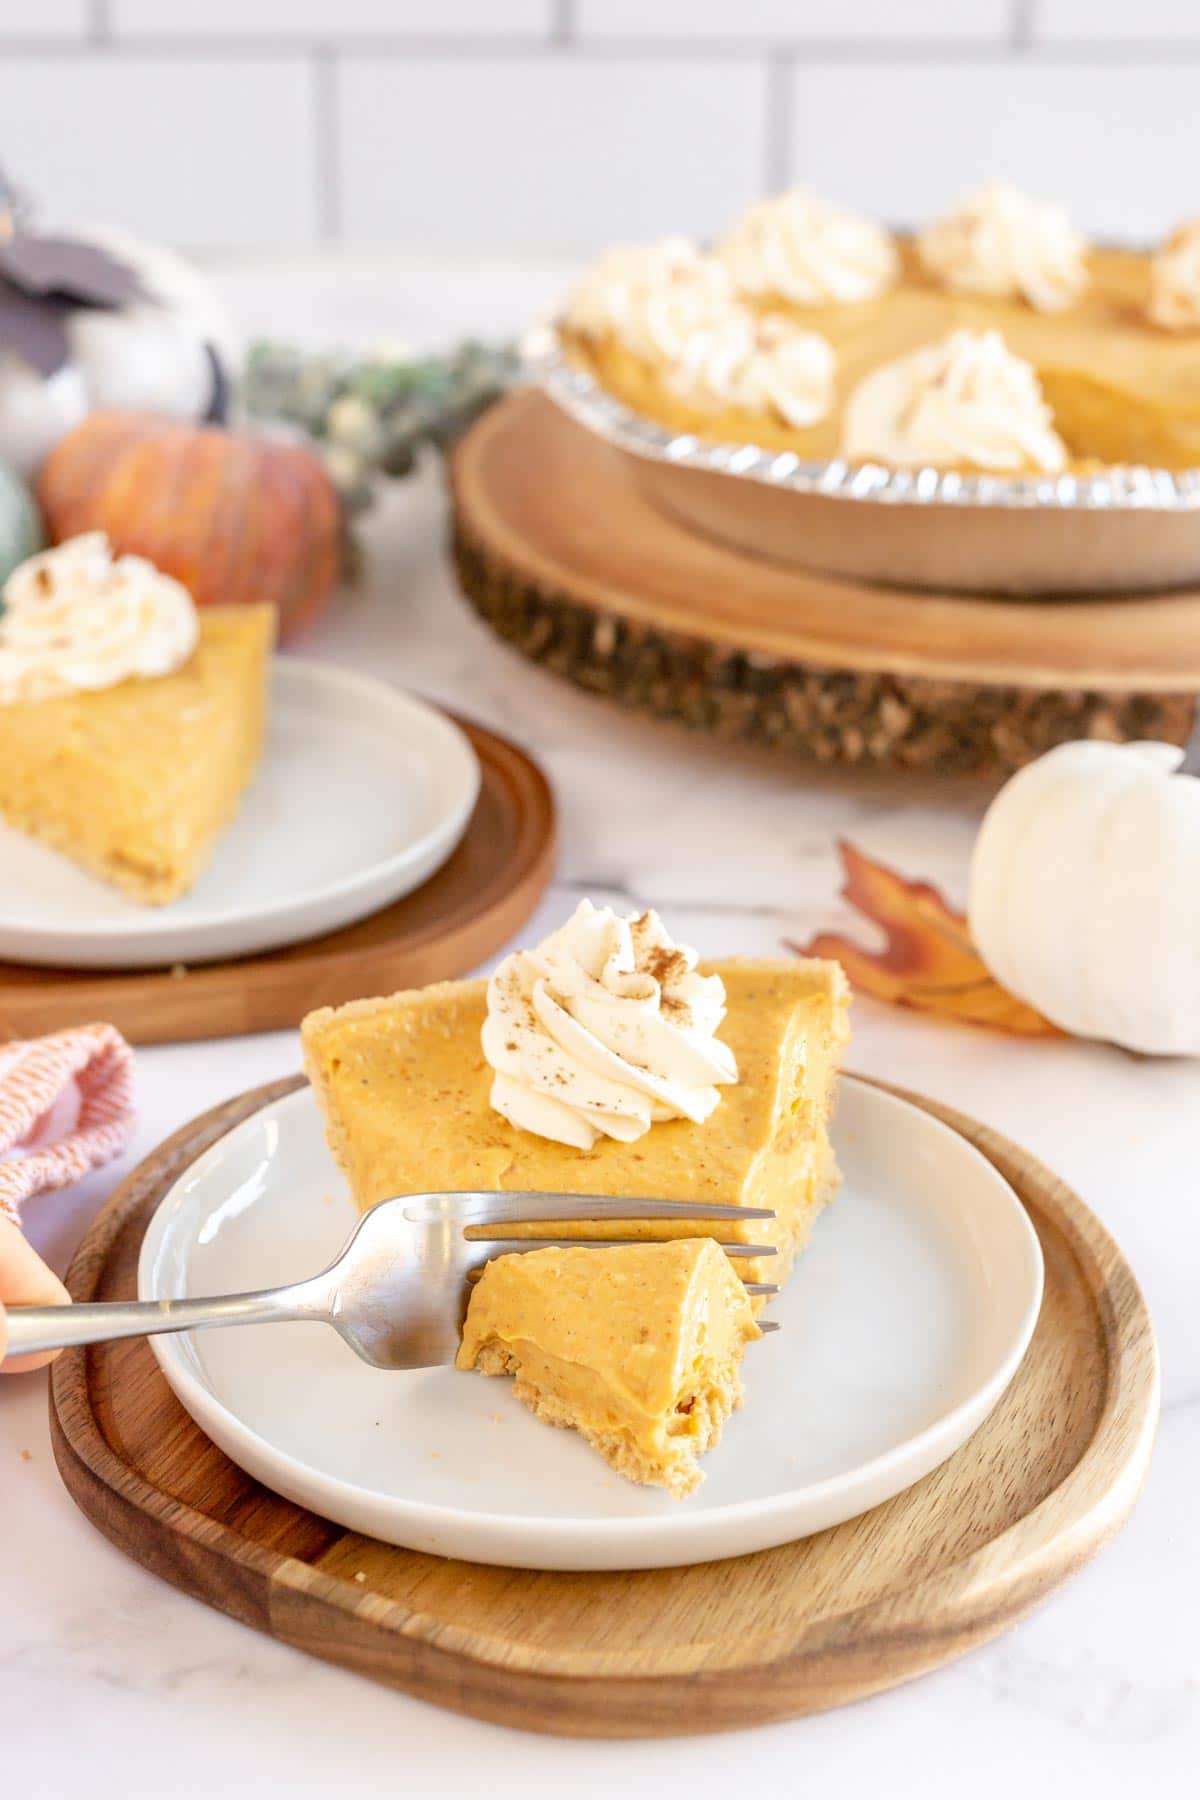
x=130 y=723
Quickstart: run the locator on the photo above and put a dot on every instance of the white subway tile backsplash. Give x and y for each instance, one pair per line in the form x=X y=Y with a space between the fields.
x=1088 y=20
x=468 y=126
x=330 y=20
x=1115 y=142
x=203 y=151
x=44 y=19
x=786 y=22
x=550 y=154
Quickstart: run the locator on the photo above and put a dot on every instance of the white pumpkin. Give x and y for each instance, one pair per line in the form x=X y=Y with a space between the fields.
x=1085 y=893
x=150 y=356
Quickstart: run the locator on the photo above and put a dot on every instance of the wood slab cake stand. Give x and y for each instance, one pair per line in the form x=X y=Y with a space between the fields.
x=563 y=554
x=936 y=1571
x=473 y=905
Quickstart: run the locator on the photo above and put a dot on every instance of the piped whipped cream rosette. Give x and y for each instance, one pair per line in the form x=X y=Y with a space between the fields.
x=1001 y=242
x=1175 y=281
x=652 y=298
x=797 y=247
x=76 y=618
x=966 y=402
x=604 y=1030
x=676 y=311
x=756 y=365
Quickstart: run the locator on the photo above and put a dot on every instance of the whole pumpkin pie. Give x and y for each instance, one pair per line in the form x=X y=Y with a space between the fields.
x=636 y=1347
x=1109 y=336
x=130 y=724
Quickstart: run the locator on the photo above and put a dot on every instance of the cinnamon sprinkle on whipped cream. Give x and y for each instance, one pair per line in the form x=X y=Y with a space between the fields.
x=604 y=1030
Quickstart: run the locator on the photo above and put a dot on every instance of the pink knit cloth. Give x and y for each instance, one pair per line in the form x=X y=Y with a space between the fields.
x=35 y=1074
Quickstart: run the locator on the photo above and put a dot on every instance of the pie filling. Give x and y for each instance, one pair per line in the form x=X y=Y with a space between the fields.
x=638 y=1348
x=1120 y=390
x=136 y=782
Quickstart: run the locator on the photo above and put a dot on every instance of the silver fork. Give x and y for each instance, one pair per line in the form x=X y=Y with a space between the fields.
x=398 y=1291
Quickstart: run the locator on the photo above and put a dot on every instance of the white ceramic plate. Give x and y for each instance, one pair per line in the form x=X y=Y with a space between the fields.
x=362 y=793
x=902 y=1326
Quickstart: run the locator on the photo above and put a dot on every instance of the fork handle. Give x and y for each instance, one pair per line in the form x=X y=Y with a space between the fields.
x=35 y=1328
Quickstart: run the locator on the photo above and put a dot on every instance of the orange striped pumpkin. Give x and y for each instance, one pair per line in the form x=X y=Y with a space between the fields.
x=236 y=518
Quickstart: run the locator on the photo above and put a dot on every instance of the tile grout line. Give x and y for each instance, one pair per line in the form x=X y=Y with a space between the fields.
x=778 y=132
x=562 y=22
x=1078 y=53
x=327 y=169
x=1021 y=25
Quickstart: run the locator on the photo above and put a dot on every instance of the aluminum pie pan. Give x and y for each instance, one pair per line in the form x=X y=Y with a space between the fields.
x=1064 y=535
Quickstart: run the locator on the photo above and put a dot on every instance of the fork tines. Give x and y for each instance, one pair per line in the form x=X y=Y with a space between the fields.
x=481 y=1208
x=510 y=1246
x=482 y=1216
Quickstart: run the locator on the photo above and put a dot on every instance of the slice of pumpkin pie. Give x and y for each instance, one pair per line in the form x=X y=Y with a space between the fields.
x=636 y=1347
x=130 y=721
x=605 y=1061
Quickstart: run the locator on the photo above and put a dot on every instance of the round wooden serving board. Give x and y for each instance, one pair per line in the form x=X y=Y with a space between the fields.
x=1038 y=1490
x=474 y=903
x=563 y=553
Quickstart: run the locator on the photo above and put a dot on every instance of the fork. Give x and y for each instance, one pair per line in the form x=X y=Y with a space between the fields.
x=398 y=1291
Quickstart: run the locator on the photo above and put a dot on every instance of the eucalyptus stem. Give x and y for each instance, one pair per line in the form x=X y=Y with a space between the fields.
x=370 y=417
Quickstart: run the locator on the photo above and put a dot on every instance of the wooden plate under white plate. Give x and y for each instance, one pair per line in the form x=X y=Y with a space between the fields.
x=807 y=1625
x=901 y=1328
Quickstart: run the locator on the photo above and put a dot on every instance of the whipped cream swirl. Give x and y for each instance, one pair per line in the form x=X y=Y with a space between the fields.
x=651 y=297
x=1000 y=241
x=76 y=618
x=967 y=402
x=797 y=247
x=1175 y=281
x=603 y=1030
x=758 y=366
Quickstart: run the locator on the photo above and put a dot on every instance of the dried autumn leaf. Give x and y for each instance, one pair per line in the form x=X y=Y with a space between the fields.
x=928 y=961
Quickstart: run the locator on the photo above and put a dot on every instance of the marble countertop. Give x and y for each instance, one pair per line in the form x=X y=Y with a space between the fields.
x=112 y=1682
